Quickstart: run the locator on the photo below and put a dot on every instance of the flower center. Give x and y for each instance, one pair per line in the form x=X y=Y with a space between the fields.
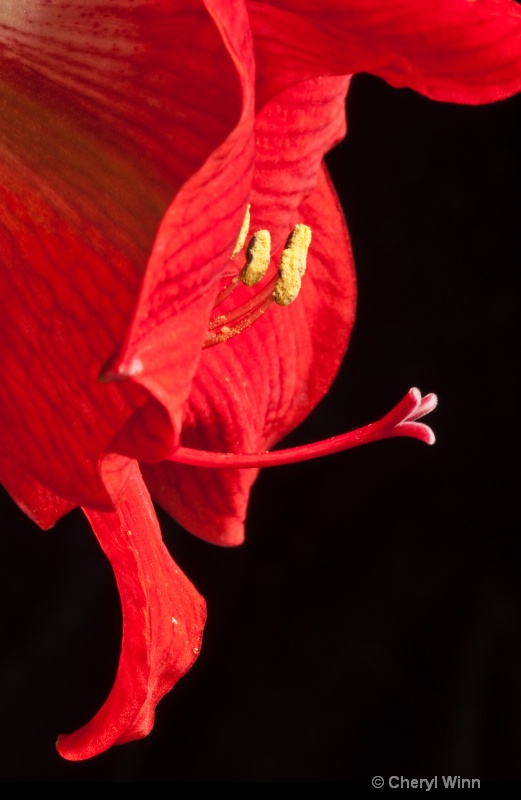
x=282 y=288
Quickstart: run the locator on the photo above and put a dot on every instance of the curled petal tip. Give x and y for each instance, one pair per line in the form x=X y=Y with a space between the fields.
x=116 y=371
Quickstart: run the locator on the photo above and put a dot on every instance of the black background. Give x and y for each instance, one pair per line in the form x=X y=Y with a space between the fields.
x=371 y=624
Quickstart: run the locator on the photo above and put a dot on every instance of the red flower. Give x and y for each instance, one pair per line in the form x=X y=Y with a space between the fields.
x=133 y=137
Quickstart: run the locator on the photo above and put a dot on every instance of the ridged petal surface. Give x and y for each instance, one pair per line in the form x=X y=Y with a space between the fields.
x=116 y=141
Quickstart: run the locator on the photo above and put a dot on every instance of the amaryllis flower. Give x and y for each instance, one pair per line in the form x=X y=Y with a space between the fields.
x=139 y=356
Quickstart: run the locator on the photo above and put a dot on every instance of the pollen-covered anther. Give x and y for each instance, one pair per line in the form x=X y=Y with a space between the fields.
x=292 y=265
x=258 y=255
x=282 y=288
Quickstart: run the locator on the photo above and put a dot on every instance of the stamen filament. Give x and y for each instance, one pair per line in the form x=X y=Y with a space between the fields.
x=226 y=292
x=245 y=308
x=400 y=421
x=226 y=332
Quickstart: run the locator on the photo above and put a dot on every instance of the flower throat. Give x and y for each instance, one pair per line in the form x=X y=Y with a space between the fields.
x=283 y=289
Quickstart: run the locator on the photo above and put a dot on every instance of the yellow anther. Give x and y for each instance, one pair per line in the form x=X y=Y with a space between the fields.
x=245 y=227
x=258 y=257
x=289 y=282
x=298 y=242
x=281 y=288
x=292 y=265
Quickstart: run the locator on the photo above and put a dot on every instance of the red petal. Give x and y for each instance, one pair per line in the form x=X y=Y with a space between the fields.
x=252 y=390
x=195 y=241
x=41 y=505
x=465 y=51
x=292 y=133
x=107 y=110
x=163 y=619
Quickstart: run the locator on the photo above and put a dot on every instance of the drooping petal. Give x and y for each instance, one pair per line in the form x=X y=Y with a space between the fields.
x=252 y=390
x=107 y=110
x=463 y=51
x=163 y=619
